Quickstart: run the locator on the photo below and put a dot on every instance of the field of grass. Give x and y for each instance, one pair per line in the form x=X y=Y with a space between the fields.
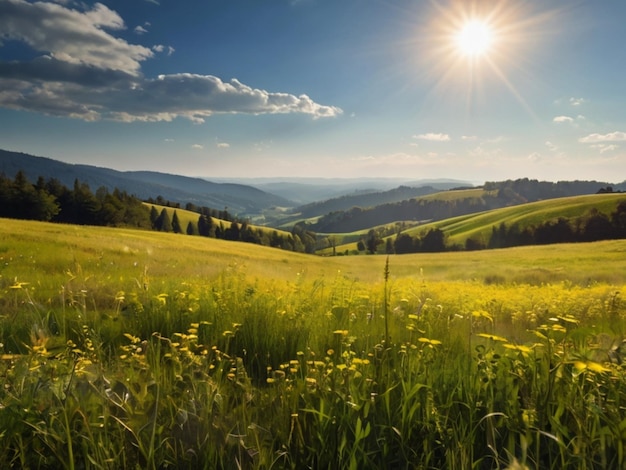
x=185 y=216
x=134 y=349
x=479 y=226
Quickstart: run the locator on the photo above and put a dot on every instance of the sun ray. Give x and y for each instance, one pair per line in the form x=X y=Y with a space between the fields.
x=471 y=50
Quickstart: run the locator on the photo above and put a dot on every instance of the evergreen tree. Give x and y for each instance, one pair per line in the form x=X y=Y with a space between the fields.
x=31 y=202
x=233 y=233
x=205 y=226
x=163 y=222
x=176 y=228
x=84 y=207
x=154 y=215
x=191 y=228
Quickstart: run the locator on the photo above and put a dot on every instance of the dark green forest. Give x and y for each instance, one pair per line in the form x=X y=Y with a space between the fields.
x=51 y=201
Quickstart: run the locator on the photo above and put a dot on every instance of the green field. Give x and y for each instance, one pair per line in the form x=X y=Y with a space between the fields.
x=185 y=217
x=135 y=349
x=479 y=226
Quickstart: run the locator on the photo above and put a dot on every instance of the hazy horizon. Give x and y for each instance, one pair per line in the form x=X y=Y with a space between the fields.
x=465 y=90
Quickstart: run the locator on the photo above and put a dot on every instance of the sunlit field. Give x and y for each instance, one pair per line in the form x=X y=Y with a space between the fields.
x=131 y=349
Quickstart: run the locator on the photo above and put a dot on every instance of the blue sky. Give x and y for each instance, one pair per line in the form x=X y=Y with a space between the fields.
x=334 y=88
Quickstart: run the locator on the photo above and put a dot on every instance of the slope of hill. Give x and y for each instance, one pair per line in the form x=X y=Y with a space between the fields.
x=447 y=204
x=240 y=199
x=479 y=226
x=306 y=190
x=370 y=199
x=171 y=259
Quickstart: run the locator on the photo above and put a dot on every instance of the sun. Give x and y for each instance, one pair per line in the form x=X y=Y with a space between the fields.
x=474 y=39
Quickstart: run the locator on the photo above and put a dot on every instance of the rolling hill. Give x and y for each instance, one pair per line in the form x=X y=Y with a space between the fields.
x=446 y=204
x=173 y=258
x=479 y=226
x=240 y=199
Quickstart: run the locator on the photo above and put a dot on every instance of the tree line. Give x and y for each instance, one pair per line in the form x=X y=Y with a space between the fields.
x=494 y=195
x=300 y=239
x=191 y=207
x=593 y=226
x=432 y=241
x=51 y=201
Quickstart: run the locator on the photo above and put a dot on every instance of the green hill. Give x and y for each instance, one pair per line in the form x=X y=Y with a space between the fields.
x=479 y=226
x=185 y=216
x=446 y=204
x=45 y=254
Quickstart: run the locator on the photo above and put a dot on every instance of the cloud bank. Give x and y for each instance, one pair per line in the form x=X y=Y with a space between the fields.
x=85 y=72
x=433 y=137
x=610 y=137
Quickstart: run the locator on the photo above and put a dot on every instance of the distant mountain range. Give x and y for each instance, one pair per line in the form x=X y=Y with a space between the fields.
x=307 y=190
x=240 y=199
x=332 y=204
x=243 y=197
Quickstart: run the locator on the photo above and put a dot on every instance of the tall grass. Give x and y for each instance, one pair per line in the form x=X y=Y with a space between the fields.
x=109 y=364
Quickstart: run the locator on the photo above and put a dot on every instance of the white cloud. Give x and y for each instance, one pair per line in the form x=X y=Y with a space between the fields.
x=469 y=138
x=73 y=36
x=576 y=101
x=197 y=147
x=161 y=48
x=140 y=30
x=168 y=140
x=605 y=147
x=223 y=145
x=88 y=73
x=610 y=137
x=563 y=119
x=431 y=136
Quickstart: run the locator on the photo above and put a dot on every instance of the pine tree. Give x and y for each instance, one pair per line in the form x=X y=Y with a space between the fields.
x=154 y=215
x=163 y=223
x=176 y=228
x=191 y=228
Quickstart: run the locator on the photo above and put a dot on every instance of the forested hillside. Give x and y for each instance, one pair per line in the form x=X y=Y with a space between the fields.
x=439 y=206
x=51 y=201
x=240 y=199
x=370 y=199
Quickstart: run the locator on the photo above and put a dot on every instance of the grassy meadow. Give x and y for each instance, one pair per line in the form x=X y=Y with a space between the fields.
x=479 y=225
x=131 y=349
x=185 y=217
